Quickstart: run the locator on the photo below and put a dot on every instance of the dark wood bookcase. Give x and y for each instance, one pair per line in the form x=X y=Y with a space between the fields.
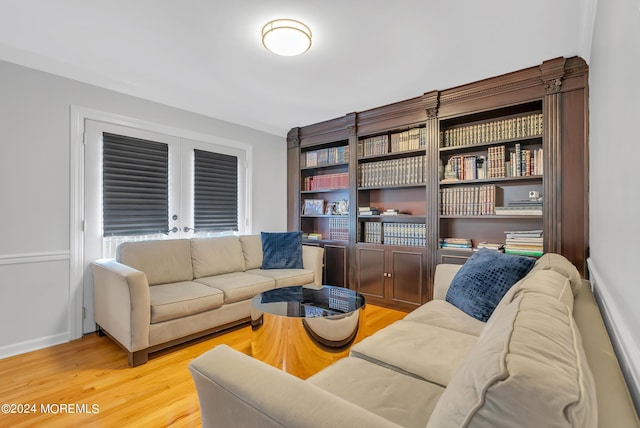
x=396 y=157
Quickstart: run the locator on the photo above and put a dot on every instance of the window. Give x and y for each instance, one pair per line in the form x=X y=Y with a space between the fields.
x=142 y=185
x=135 y=186
x=215 y=192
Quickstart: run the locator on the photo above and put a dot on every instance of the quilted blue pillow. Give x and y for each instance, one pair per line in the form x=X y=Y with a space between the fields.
x=281 y=250
x=483 y=280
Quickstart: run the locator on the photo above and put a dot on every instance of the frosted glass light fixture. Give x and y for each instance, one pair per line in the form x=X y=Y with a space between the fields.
x=286 y=37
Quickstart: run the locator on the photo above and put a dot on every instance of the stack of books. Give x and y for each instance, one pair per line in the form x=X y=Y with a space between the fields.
x=497 y=246
x=390 y=211
x=521 y=207
x=368 y=211
x=524 y=242
x=456 y=243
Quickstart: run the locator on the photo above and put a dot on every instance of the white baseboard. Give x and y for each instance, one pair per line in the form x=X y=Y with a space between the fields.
x=624 y=342
x=33 y=345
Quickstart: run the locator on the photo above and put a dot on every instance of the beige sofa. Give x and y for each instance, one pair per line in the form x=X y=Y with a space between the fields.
x=542 y=359
x=157 y=294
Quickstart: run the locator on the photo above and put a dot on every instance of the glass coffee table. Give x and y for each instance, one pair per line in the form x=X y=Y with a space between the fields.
x=301 y=330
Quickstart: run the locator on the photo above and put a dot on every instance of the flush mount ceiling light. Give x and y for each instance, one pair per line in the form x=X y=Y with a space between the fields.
x=286 y=37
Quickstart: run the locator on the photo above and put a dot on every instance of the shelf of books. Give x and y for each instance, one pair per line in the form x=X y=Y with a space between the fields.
x=391 y=188
x=324 y=191
x=491 y=179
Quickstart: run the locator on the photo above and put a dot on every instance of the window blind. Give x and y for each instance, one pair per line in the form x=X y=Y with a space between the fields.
x=135 y=186
x=215 y=192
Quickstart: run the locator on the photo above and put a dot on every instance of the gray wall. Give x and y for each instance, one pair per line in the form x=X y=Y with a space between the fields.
x=614 y=81
x=35 y=192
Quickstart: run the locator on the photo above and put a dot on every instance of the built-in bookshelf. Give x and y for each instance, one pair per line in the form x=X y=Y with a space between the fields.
x=397 y=234
x=391 y=181
x=324 y=190
x=492 y=172
x=430 y=179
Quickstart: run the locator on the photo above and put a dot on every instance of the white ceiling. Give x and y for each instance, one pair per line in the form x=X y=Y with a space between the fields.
x=206 y=56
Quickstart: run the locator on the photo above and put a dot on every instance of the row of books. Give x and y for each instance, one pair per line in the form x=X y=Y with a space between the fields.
x=506 y=129
x=465 y=167
x=394 y=172
x=521 y=163
x=496 y=166
x=524 y=162
x=339 y=180
x=412 y=139
x=398 y=234
x=524 y=242
x=521 y=242
x=323 y=157
x=339 y=228
x=470 y=200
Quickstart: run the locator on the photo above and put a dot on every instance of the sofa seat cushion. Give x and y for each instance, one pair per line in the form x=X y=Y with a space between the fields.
x=238 y=286
x=417 y=349
x=443 y=314
x=286 y=277
x=216 y=256
x=528 y=358
x=402 y=399
x=180 y=299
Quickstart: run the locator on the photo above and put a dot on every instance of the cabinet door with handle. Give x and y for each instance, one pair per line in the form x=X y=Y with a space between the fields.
x=407 y=276
x=371 y=273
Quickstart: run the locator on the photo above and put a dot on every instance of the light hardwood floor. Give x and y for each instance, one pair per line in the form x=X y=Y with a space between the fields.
x=91 y=376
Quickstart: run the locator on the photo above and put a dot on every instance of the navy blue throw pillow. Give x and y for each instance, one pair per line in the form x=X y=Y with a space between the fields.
x=483 y=280
x=281 y=250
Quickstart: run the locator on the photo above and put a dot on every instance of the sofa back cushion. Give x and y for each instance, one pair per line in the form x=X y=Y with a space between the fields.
x=528 y=368
x=162 y=261
x=559 y=263
x=216 y=256
x=252 y=250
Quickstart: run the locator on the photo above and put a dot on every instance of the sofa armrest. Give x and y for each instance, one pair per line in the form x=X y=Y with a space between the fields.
x=122 y=303
x=312 y=259
x=237 y=390
x=442 y=279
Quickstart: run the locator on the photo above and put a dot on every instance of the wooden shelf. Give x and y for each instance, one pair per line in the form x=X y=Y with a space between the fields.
x=333 y=165
x=325 y=190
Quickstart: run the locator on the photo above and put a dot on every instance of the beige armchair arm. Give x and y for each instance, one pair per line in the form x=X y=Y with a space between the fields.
x=313 y=259
x=121 y=303
x=236 y=390
x=442 y=279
